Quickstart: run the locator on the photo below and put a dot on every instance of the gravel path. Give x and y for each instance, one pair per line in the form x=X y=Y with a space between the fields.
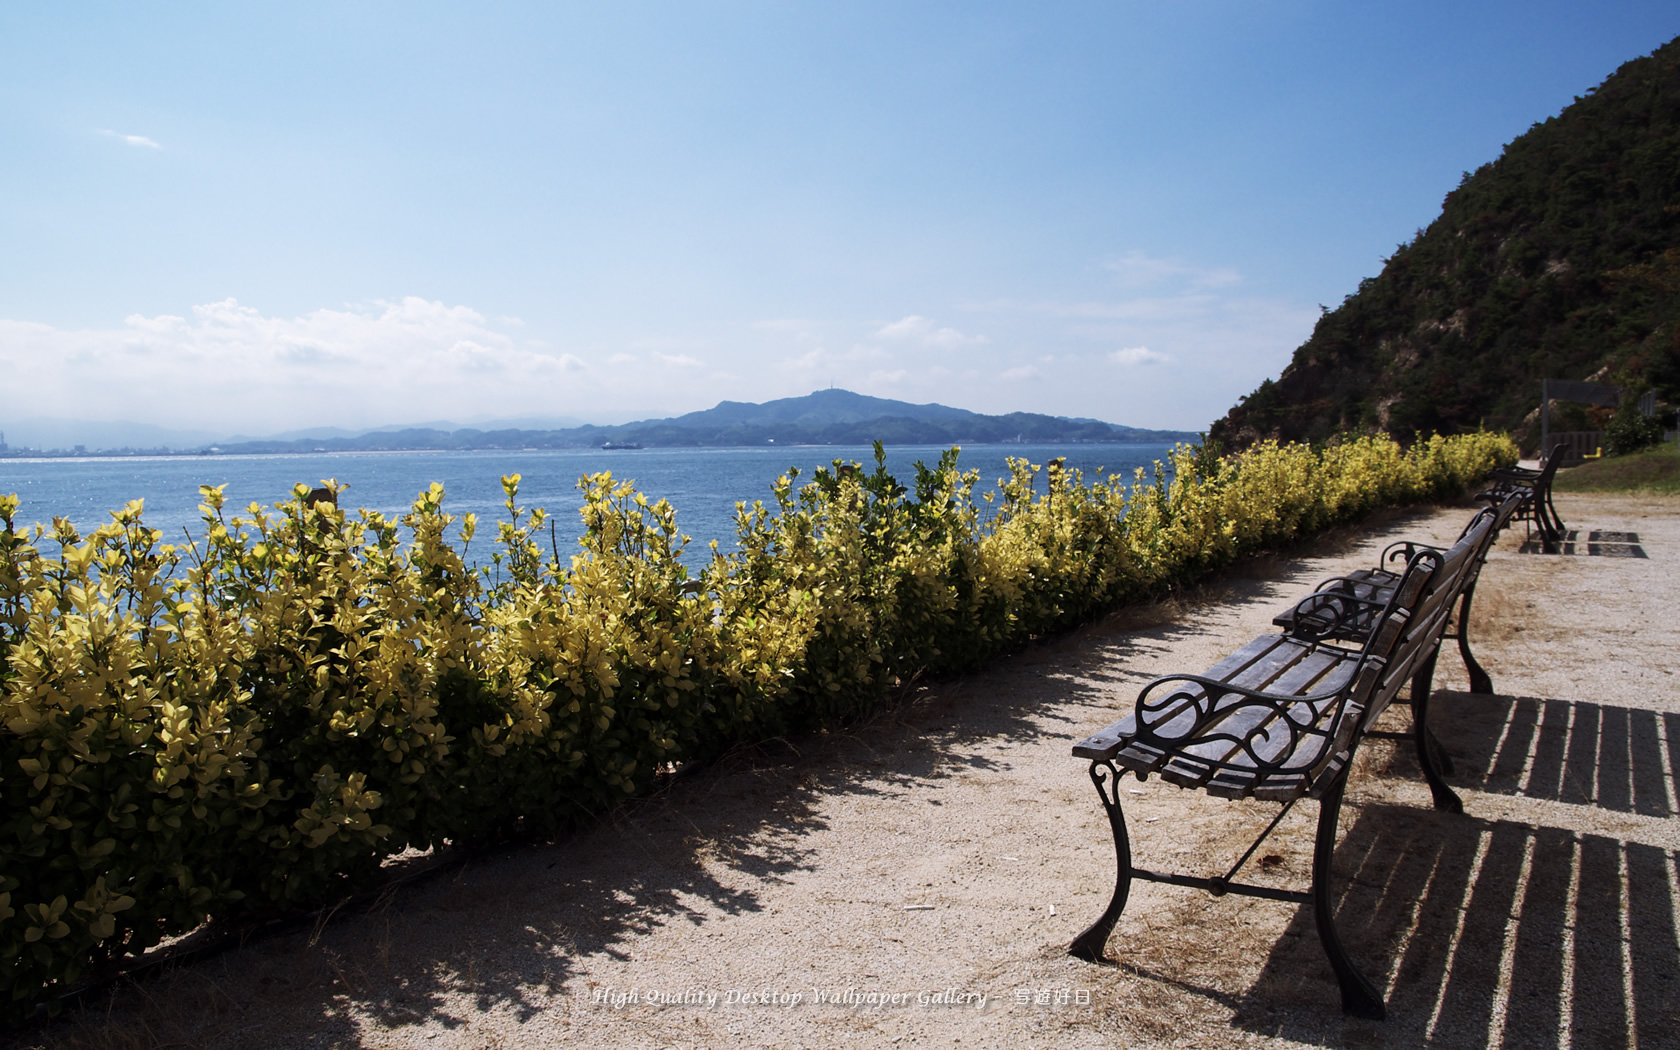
x=915 y=880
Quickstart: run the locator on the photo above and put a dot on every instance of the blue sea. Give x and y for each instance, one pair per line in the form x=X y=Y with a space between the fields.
x=703 y=484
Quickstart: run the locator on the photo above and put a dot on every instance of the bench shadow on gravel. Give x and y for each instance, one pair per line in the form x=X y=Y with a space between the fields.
x=523 y=922
x=1561 y=750
x=1533 y=915
x=1572 y=932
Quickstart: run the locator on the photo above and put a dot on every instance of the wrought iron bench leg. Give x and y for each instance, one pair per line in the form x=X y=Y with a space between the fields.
x=1558 y=528
x=1359 y=997
x=1546 y=520
x=1438 y=752
x=1479 y=680
x=1090 y=945
x=1426 y=738
x=1427 y=745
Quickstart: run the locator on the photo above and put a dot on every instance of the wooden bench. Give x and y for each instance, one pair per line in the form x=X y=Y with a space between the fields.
x=1280 y=719
x=1344 y=607
x=1536 y=486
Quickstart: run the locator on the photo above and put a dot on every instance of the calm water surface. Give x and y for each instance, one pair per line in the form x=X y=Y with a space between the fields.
x=702 y=484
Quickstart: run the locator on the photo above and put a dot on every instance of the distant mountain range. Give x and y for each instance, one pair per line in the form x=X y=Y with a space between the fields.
x=826 y=417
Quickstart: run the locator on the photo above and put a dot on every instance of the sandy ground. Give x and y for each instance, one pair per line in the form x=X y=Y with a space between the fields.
x=916 y=880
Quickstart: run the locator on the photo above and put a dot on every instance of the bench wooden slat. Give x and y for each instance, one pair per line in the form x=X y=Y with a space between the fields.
x=1139 y=758
x=1244 y=657
x=1280 y=789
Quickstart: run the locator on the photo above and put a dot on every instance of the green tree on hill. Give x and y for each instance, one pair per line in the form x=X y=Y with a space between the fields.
x=1559 y=259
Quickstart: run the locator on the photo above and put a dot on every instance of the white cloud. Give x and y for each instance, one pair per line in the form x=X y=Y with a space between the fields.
x=840 y=362
x=132 y=140
x=918 y=329
x=679 y=360
x=1137 y=355
x=1135 y=269
x=232 y=366
x=1019 y=373
x=161 y=323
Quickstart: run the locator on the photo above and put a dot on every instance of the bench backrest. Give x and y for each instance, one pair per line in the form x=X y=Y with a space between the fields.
x=1503 y=510
x=1411 y=626
x=1549 y=466
x=1502 y=515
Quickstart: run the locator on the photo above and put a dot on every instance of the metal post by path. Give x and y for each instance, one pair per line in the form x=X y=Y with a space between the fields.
x=1545 y=412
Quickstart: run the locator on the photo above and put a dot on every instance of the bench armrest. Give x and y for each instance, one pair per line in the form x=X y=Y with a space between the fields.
x=1404 y=550
x=1330 y=613
x=1502 y=490
x=1207 y=697
x=1222 y=725
x=1401 y=551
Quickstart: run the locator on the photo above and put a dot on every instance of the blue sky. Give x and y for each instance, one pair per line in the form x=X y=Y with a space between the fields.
x=264 y=217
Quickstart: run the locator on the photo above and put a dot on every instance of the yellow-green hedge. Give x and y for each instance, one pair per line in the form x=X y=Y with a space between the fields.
x=257 y=720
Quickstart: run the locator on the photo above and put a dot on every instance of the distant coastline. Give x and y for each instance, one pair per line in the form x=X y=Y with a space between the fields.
x=490 y=441
x=826 y=417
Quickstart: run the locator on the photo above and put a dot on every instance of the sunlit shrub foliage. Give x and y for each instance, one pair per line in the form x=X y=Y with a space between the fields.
x=257 y=720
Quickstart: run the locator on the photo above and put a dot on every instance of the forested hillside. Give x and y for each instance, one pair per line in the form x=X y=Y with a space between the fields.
x=1560 y=259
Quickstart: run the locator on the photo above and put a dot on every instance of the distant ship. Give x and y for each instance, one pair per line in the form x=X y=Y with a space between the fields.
x=616 y=446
